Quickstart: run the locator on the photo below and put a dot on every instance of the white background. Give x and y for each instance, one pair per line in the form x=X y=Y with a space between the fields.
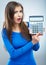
x=31 y=7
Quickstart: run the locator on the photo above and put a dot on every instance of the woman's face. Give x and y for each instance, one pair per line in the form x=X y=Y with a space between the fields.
x=18 y=14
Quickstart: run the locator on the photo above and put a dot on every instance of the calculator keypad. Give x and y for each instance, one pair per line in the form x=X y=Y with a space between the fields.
x=36 y=27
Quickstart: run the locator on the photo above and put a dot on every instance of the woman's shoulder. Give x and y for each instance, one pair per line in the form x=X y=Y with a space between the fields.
x=3 y=31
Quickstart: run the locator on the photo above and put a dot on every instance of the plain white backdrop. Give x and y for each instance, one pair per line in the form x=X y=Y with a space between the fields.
x=31 y=7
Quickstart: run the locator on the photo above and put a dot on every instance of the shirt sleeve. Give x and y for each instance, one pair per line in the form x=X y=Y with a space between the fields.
x=14 y=53
x=36 y=46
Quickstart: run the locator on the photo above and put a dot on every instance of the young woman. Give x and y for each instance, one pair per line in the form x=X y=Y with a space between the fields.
x=18 y=41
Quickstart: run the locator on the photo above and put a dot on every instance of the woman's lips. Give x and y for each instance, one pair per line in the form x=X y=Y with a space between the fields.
x=19 y=19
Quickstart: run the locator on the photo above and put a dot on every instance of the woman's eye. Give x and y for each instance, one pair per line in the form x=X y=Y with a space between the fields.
x=21 y=11
x=15 y=12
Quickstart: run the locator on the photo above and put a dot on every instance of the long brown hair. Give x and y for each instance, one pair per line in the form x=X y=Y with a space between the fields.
x=9 y=13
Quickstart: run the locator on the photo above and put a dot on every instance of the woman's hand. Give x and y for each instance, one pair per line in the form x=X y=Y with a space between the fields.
x=35 y=38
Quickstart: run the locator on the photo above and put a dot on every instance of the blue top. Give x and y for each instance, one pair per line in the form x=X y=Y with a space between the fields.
x=20 y=50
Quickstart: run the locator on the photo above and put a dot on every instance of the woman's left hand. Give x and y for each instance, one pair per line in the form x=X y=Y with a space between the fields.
x=35 y=38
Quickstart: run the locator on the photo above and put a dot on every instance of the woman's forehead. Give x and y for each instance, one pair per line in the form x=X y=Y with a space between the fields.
x=17 y=8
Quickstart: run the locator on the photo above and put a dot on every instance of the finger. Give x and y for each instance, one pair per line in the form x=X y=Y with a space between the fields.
x=38 y=34
x=37 y=39
x=33 y=37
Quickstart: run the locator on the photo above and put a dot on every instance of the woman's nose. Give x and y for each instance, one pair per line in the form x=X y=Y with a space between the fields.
x=19 y=14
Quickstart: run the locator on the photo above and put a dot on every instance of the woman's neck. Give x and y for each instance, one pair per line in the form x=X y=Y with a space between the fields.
x=16 y=28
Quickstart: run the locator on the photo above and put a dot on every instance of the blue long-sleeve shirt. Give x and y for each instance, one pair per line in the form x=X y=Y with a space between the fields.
x=20 y=50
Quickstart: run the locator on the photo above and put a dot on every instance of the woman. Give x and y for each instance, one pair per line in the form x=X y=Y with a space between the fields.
x=17 y=40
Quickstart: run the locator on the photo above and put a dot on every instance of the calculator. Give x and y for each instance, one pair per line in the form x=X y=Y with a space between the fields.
x=35 y=24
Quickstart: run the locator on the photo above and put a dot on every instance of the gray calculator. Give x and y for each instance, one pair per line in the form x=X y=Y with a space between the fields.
x=36 y=24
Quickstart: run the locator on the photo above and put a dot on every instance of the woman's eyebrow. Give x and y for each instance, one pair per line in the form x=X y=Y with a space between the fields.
x=17 y=11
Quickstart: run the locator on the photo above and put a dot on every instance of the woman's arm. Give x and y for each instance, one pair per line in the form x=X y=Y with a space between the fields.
x=14 y=53
x=36 y=46
x=35 y=40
